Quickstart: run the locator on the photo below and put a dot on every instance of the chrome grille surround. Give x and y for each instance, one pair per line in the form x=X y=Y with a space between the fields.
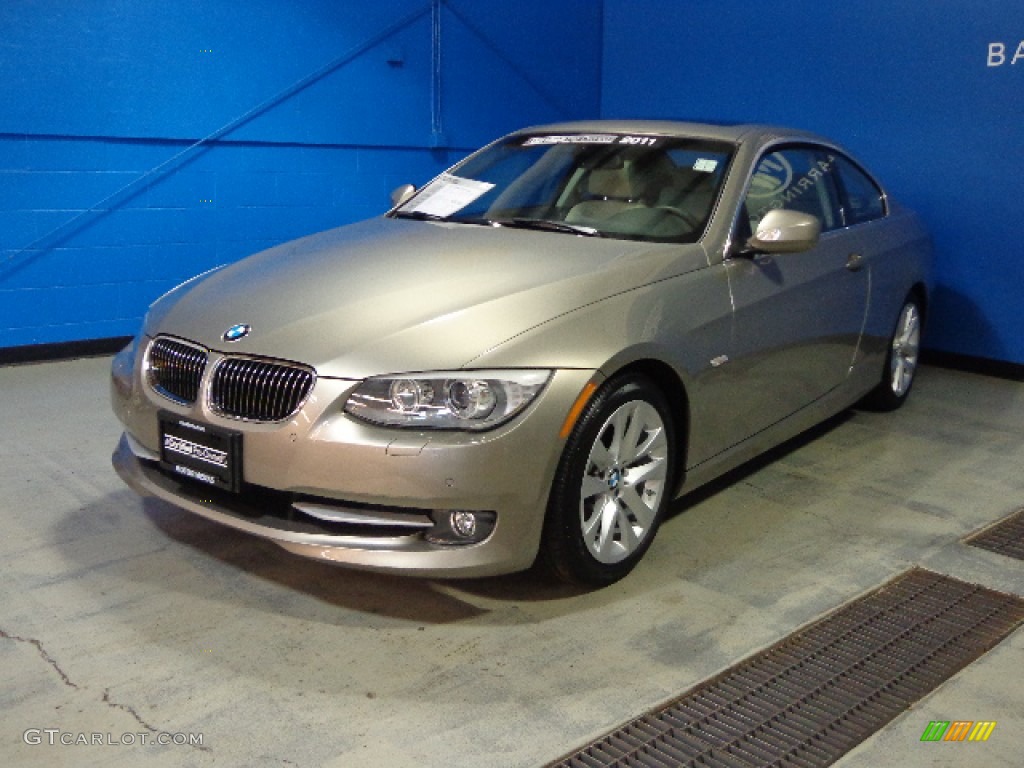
x=174 y=369
x=255 y=389
x=245 y=388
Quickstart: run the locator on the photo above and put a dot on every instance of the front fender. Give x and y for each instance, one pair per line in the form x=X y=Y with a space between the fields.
x=684 y=323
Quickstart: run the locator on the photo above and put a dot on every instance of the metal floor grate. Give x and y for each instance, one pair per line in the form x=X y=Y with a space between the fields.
x=1005 y=538
x=818 y=693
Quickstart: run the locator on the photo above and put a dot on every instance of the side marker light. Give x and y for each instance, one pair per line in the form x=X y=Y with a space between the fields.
x=577 y=409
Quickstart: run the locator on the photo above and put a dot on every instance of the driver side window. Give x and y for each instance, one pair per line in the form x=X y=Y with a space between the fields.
x=797 y=179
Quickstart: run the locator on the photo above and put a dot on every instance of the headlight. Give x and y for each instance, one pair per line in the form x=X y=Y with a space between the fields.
x=471 y=400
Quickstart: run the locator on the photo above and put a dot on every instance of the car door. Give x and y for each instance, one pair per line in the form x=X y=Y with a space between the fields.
x=797 y=317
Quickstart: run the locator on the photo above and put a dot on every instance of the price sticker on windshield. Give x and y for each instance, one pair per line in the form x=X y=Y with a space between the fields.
x=446 y=195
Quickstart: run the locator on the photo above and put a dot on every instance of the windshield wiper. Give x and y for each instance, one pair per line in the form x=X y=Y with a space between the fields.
x=545 y=225
x=476 y=220
x=417 y=215
x=552 y=226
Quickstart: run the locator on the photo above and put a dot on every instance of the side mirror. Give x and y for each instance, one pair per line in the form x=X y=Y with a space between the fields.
x=401 y=194
x=782 y=231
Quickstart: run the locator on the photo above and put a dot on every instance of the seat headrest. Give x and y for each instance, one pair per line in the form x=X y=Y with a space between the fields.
x=616 y=184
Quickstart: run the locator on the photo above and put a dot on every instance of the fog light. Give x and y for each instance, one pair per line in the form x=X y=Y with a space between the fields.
x=464 y=524
x=460 y=526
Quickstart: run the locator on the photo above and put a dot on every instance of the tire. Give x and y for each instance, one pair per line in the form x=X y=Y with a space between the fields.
x=613 y=483
x=901 y=360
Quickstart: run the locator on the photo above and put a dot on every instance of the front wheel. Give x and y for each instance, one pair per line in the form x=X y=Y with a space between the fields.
x=612 y=485
x=901 y=360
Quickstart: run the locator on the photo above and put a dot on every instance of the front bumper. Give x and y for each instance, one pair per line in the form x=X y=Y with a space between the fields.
x=384 y=483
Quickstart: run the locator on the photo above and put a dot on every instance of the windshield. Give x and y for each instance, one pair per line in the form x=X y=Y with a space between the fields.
x=656 y=188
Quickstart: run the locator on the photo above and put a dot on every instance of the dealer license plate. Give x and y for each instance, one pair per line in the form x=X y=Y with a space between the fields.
x=201 y=452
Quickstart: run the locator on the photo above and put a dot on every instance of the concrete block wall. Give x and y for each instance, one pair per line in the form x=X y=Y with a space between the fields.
x=92 y=274
x=314 y=110
x=143 y=143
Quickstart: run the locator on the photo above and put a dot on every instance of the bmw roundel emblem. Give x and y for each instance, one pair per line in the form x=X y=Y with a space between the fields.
x=236 y=332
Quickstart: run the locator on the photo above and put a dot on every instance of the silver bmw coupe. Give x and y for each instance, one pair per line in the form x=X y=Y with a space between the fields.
x=531 y=356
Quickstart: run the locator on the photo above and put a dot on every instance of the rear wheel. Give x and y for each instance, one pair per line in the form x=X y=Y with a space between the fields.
x=901 y=360
x=612 y=485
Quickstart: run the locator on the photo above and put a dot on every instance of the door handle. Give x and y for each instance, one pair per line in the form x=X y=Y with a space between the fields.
x=854 y=262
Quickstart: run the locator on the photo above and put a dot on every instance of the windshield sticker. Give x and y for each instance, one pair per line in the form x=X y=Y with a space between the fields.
x=705 y=165
x=592 y=138
x=446 y=195
x=639 y=141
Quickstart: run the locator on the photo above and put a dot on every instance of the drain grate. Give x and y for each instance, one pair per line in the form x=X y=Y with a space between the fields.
x=1005 y=538
x=818 y=693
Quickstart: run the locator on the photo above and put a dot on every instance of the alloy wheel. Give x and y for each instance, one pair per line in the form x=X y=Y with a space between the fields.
x=905 y=349
x=623 y=483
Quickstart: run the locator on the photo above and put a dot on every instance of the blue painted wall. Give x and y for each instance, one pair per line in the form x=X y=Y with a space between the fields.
x=910 y=87
x=141 y=143
x=311 y=112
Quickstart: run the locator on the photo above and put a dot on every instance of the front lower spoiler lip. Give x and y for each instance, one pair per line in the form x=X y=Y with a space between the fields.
x=408 y=554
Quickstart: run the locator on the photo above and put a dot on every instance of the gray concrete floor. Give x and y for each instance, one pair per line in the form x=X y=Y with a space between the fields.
x=125 y=617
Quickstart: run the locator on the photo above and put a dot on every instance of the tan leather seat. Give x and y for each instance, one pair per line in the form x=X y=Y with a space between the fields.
x=608 y=192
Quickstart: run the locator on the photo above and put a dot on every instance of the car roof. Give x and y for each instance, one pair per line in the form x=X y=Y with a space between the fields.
x=734 y=132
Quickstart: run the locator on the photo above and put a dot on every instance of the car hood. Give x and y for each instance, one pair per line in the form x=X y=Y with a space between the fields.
x=393 y=295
